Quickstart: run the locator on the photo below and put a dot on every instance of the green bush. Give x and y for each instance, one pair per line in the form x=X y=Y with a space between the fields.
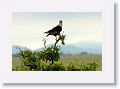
x=21 y=68
x=42 y=66
x=58 y=66
x=73 y=67
x=33 y=59
x=83 y=67
x=55 y=67
x=89 y=66
x=38 y=61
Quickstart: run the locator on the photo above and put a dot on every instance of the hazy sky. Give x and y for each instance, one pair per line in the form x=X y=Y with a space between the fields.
x=29 y=27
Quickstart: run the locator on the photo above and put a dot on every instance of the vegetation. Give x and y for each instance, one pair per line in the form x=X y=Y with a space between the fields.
x=66 y=60
x=49 y=60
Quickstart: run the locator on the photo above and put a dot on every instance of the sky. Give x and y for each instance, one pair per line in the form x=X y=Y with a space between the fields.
x=28 y=27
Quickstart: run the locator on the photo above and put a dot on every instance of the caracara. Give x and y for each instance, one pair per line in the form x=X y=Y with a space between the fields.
x=56 y=30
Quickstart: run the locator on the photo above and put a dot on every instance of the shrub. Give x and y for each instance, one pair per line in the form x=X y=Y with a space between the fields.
x=55 y=67
x=42 y=66
x=73 y=67
x=35 y=61
x=21 y=68
x=89 y=66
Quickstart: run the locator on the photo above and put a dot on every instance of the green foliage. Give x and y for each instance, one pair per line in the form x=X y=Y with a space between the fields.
x=52 y=53
x=58 y=66
x=33 y=60
x=89 y=66
x=83 y=67
x=42 y=66
x=55 y=67
x=73 y=67
x=29 y=59
x=21 y=68
x=62 y=38
x=48 y=60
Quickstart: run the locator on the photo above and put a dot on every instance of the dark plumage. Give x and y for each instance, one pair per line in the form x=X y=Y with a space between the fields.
x=56 y=30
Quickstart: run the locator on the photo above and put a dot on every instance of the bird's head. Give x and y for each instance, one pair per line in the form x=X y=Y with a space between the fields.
x=60 y=23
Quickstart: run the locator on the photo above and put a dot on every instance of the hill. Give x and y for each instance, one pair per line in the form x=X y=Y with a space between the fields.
x=15 y=49
x=75 y=48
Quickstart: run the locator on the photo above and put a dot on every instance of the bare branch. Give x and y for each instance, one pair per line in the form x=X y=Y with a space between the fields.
x=44 y=40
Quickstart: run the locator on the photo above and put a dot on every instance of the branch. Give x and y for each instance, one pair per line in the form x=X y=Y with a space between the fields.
x=57 y=40
x=61 y=37
x=44 y=40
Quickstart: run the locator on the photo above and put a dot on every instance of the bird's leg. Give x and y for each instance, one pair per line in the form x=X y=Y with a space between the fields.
x=56 y=37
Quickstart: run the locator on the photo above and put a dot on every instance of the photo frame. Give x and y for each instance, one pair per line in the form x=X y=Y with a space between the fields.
x=105 y=76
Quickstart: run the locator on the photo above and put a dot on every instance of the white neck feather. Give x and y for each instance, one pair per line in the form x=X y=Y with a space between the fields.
x=60 y=24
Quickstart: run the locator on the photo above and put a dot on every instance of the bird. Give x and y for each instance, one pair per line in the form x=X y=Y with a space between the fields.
x=55 y=30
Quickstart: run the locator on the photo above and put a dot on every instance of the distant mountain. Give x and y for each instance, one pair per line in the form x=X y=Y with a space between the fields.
x=69 y=49
x=75 y=48
x=15 y=49
x=88 y=45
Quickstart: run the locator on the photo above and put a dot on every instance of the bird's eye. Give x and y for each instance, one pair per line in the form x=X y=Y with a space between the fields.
x=60 y=21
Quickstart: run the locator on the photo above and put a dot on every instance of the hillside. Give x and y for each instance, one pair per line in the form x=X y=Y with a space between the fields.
x=76 y=48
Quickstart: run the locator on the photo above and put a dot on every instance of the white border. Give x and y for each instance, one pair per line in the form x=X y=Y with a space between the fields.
x=104 y=6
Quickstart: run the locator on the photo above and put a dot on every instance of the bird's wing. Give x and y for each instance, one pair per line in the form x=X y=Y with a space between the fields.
x=57 y=28
x=52 y=30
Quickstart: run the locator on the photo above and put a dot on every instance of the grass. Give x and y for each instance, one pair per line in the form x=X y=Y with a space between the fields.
x=67 y=59
x=16 y=62
x=78 y=59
